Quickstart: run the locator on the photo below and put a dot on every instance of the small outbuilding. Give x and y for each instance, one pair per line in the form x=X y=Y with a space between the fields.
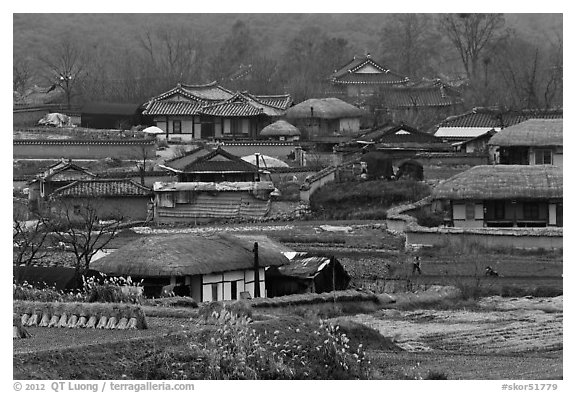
x=306 y=274
x=280 y=130
x=208 y=267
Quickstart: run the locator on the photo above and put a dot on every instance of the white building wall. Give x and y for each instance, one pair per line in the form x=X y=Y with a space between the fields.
x=349 y=125
x=244 y=279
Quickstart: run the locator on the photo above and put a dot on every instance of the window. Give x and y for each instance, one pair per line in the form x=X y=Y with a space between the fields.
x=531 y=211
x=470 y=211
x=215 y=292
x=499 y=210
x=234 y=290
x=235 y=126
x=176 y=126
x=543 y=157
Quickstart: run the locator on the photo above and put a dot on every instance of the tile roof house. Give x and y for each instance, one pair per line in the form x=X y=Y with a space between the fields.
x=211 y=267
x=213 y=112
x=55 y=176
x=504 y=196
x=532 y=142
x=216 y=185
x=480 y=120
x=110 y=198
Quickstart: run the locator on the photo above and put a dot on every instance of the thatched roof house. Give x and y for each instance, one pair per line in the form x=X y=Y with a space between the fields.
x=322 y=117
x=195 y=261
x=502 y=182
x=533 y=142
x=324 y=108
x=504 y=195
x=282 y=130
x=533 y=132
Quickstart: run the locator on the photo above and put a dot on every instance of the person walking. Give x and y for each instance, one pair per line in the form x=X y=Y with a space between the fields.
x=416 y=265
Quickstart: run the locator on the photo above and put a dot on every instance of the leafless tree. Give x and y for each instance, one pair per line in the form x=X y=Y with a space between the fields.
x=472 y=35
x=531 y=76
x=29 y=240
x=79 y=229
x=21 y=75
x=66 y=68
x=408 y=43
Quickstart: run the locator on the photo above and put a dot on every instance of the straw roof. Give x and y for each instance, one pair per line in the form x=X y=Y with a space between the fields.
x=188 y=254
x=280 y=128
x=533 y=132
x=503 y=182
x=324 y=108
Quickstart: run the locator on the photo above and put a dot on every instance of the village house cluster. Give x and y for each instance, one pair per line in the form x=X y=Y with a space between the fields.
x=208 y=154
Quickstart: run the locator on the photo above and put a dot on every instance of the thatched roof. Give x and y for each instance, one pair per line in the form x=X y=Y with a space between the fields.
x=280 y=128
x=503 y=182
x=188 y=254
x=324 y=108
x=533 y=132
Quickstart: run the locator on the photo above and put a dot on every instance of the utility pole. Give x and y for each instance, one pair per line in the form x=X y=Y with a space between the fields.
x=256 y=272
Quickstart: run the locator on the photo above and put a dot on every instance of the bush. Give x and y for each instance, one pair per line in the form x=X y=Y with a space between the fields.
x=237 y=351
x=429 y=220
x=366 y=199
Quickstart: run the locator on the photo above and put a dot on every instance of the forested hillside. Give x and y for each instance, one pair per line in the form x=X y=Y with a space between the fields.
x=130 y=57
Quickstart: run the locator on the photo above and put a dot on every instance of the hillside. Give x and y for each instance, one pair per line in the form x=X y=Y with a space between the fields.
x=35 y=33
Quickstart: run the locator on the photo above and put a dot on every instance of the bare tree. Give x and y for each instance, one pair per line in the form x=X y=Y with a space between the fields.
x=66 y=68
x=80 y=230
x=29 y=240
x=409 y=43
x=530 y=76
x=21 y=75
x=472 y=35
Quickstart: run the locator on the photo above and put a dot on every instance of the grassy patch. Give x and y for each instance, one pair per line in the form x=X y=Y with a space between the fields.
x=364 y=199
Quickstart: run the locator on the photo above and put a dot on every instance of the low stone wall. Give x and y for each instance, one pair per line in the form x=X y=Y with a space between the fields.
x=416 y=235
x=80 y=149
x=487 y=237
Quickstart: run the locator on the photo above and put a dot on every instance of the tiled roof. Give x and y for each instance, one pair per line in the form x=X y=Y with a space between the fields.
x=173 y=108
x=211 y=91
x=214 y=100
x=103 y=188
x=232 y=109
x=491 y=118
x=348 y=74
x=398 y=134
x=282 y=101
x=231 y=164
x=415 y=96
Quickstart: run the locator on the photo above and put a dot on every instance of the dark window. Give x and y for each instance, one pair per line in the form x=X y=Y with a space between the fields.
x=177 y=126
x=531 y=211
x=234 y=290
x=77 y=209
x=470 y=209
x=543 y=157
x=499 y=210
x=214 y=292
x=235 y=126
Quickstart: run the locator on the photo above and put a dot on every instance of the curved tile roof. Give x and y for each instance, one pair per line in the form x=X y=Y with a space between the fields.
x=173 y=108
x=103 y=188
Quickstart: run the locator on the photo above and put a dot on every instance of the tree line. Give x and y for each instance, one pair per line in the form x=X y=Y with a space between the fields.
x=495 y=64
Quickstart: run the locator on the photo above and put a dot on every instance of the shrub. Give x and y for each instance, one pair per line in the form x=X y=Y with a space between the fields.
x=238 y=351
x=429 y=220
x=436 y=375
x=342 y=200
